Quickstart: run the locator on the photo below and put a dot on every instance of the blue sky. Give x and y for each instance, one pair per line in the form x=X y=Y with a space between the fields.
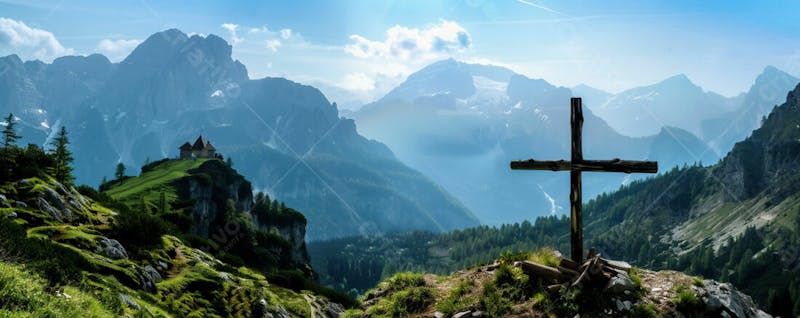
x=357 y=50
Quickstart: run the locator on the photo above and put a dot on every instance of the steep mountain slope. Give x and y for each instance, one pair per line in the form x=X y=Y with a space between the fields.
x=642 y=111
x=677 y=102
x=591 y=96
x=451 y=118
x=71 y=253
x=288 y=137
x=731 y=127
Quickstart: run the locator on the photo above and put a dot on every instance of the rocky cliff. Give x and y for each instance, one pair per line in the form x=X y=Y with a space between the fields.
x=220 y=206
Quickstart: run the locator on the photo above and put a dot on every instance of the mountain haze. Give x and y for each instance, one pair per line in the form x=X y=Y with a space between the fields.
x=287 y=137
x=462 y=123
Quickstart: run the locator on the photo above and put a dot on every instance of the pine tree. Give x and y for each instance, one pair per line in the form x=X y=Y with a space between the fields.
x=63 y=158
x=144 y=205
x=9 y=135
x=120 y=173
x=229 y=162
x=162 y=203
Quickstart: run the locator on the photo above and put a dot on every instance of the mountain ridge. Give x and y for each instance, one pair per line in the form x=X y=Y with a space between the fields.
x=445 y=133
x=288 y=137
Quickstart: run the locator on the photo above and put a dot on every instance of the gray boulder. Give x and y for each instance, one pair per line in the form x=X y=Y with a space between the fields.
x=126 y=299
x=52 y=203
x=4 y=202
x=722 y=298
x=463 y=314
x=149 y=277
x=45 y=206
x=110 y=248
x=333 y=309
x=619 y=284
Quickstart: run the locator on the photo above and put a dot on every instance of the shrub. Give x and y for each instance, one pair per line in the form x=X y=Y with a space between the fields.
x=493 y=302
x=686 y=299
x=697 y=281
x=636 y=277
x=404 y=280
x=644 y=311
x=403 y=302
x=138 y=230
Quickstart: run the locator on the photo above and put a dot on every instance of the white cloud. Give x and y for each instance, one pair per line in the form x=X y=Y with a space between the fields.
x=117 y=49
x=286 y=33
x=404 y=43
x=358 y=82
x=273 y=45
x=24 y=40
x=232 y=30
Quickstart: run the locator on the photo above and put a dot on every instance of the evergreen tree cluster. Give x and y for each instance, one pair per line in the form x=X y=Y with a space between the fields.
x=33 y=161
x=275 y=213
x=356 y=264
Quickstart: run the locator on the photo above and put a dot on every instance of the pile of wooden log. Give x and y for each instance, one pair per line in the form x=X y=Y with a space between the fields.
x=594 y=271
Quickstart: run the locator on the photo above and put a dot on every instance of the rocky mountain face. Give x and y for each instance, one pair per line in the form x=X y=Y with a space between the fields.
x=642 y=111
x=451 y=118
x=288 y=138
x=677 y=102
x=767 y=92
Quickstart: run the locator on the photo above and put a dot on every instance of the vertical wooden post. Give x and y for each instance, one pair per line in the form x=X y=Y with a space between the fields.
x=576 y=216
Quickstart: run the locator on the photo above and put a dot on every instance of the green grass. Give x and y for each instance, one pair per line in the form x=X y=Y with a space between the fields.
x=686 y=299
x=23 y=294
x=644 y=311
x=404 y=302
x=404 y=280
x=636 y=277
x=458 y=300
x=152 y=183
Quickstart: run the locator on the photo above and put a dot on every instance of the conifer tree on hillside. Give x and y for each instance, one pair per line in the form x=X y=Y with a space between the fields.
x=9 y=135
x=120 y=171
x=62 y=170
x=163 y=207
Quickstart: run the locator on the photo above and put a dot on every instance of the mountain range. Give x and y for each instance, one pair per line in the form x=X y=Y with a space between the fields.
x=462 y=123
x=286 y=136
x=676 y=101
x=456 y=125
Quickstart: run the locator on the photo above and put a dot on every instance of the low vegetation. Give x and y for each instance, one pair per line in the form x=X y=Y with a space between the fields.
x=501 y=290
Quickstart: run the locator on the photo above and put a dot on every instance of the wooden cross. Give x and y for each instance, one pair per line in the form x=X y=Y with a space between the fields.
x=575 y=166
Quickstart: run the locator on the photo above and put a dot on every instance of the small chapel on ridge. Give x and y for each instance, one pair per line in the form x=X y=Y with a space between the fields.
x=201 y=148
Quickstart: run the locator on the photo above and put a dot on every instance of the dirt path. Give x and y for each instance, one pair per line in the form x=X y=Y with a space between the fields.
x=312 y=304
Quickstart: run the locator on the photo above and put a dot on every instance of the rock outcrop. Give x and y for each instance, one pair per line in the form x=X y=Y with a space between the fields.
x=110 y=248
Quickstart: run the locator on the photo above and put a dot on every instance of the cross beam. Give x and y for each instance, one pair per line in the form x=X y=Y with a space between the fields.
x=575 y=167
